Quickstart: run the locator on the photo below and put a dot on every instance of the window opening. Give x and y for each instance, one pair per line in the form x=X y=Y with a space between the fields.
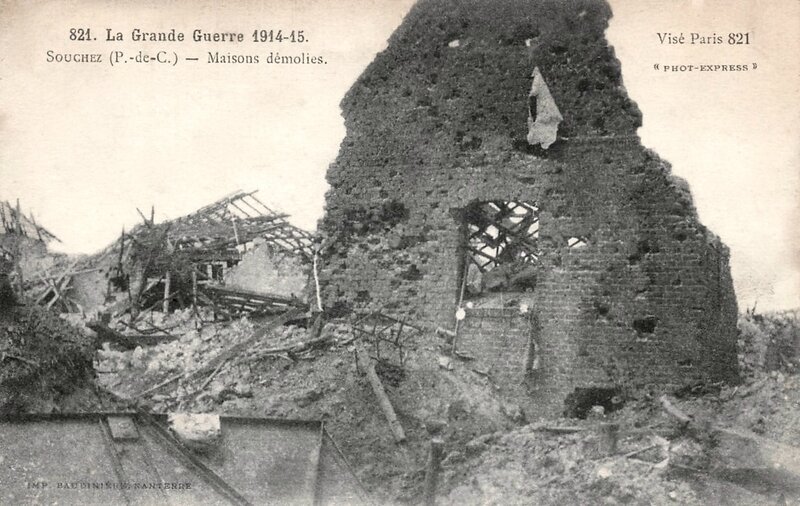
x=502 y=246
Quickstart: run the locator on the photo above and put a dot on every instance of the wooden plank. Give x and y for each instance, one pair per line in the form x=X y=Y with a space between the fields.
x=432 y=471
x=368 y=365
x=104 y=333
x=165 y=306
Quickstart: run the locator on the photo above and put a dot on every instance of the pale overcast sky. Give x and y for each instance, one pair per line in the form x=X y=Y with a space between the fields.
x=83 y=145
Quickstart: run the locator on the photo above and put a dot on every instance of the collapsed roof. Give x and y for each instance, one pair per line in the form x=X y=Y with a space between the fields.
x=237 y=219
x=184 y=249
x=15 y=222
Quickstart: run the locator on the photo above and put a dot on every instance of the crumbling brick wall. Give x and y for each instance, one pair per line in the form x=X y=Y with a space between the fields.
x=499 y=342
x=438 y=121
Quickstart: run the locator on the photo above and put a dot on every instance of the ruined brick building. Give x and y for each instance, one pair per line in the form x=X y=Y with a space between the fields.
x=492 y=162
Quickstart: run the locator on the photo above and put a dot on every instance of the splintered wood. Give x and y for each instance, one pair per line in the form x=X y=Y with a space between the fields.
x=501 y=232
x=367 y=365
x=387 y=334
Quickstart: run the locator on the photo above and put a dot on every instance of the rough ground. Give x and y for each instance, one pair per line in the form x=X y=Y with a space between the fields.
x=491 y=456
x=657 y=460
x=317 y=384
x=655 y=463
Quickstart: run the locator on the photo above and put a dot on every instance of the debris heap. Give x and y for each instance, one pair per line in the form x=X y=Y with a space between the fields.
x=185 y=263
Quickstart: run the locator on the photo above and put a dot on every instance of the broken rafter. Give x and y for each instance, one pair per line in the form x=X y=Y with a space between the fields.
x=384 y=316
x=367 y=365
x=190 y=230
x=387 y=329
x=516 y=233
x=253 y=196
x=502 y=229
x=241 y=210
x=59 y=293
x=38 y=231
x=33 y=363
x=222 y=203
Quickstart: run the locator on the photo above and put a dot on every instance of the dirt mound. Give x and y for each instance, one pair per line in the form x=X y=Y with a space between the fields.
x=43 y=358
x=489 y=458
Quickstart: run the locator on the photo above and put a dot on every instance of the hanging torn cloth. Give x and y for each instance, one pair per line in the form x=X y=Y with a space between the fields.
x=543 y=113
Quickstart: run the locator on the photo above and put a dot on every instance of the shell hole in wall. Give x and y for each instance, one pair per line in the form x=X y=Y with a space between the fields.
x=580 y=403
x=646 y=325
x=601 y=309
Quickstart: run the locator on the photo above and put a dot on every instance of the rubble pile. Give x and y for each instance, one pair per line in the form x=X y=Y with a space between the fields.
x=490 y=457
x=529 y=466
x=130 y=373
x=766 y=404
x=311 y=378
x=169 y=324
x=737 y=446
x=492 y=454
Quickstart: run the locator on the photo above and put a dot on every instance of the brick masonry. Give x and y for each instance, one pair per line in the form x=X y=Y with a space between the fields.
x=433 y=126
x=500 y=341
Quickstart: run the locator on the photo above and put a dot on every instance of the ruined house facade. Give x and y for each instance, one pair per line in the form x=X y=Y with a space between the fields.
x=579 y=260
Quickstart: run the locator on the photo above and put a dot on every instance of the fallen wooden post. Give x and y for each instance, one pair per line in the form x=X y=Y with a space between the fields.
x=367 y=365
x=609 y=435
x=21 y=359
x=673 y=411
x=432 y=471
x=639 y=451
x=167 y=279
x=129 y=342
x=228 y=353
x=247 y=343
x=292 y=348
x=159 y=385
x=572 y=429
